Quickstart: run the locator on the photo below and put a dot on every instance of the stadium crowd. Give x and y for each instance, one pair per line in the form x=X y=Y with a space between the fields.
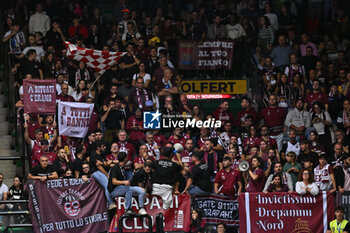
x=296 y=140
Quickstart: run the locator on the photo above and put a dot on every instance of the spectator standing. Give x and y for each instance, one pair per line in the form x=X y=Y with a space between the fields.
x=39 y=21
x=16 y=39
x=228 y=181
x=276 y=185
x=198 y=183
x=281 y=53
x=273 y=117
x=164 y=170
x=286 y=178
x=292 y=167
x=114 y=119
x=216 y=30
x=298 y=119
x=266 y=35
x=324 y=175
x=306 y=183
x=254 y=178
x=342 y=175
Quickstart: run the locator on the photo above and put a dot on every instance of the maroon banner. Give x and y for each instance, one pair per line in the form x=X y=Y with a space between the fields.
x=67 y=205
x=285 y=212
x=208 y=55
x=176 y=218
x=39 y=96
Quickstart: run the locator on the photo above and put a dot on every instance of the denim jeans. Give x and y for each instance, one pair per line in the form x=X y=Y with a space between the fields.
x=129 y=191
x=196 y=191
x=103 y=181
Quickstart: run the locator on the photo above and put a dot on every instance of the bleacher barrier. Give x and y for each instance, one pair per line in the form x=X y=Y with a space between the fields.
x=10 y=225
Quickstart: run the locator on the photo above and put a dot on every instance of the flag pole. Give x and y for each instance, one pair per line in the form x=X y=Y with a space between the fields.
x=92 y=85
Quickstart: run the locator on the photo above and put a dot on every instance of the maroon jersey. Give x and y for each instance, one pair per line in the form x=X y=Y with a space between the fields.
x=31 y=130
x=93 y=121
x=271 y=141
x=173 y=140
x=200 y=142
x=251 y=142
x=35 y=146
x=129 y=149
x=227 y=181
x=51 y=156
x=258 y=184
x=223 y=116
x=66 y=98
x=312 y=97
x=160 y=140
x=70 y=147
x=274 y=119
x=135 y=135
x=243 y=114
x=112 y=157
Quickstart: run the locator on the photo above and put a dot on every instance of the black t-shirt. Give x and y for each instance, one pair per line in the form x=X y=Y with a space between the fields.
x=140 y=177
x=54 y=38
x=200 y=177
x=78 y=165
x=118 y=173
x=30 y=67
x=114 y=119
x=61 y=166
x=312 y=155
x=93 y=160
x=127 y=60
x=164 y=171
x=39 y=171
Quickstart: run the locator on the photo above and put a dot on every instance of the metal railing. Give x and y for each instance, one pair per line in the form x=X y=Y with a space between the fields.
x=15 y=212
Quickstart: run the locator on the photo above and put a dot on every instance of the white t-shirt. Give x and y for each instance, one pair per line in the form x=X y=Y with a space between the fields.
x=39 y=51
x=145 y=78
x=3 y=189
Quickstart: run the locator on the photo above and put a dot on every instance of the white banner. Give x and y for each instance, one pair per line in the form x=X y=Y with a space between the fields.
x=74 y=118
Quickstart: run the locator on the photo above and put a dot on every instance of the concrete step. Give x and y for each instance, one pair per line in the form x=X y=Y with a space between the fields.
x=6 y=139
x=7 y=169
x=3 y=110
x=8 y=153
x=7 y=163
x=5 y=146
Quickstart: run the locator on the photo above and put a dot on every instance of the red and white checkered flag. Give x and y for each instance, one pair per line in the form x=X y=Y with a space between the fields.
x=98 y=60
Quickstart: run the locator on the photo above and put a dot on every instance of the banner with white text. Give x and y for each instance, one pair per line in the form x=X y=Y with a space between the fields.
x=74 y=118
x=39 y=96
x=207 y=55
x=285 y=212
x=217 y=208
x=67 y=206
x=176 y=218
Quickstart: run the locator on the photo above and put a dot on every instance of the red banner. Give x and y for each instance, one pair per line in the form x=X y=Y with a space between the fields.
x=67 y=205
x=284 y=212
x=208 y=55
x=39 y=96
x=176 y=218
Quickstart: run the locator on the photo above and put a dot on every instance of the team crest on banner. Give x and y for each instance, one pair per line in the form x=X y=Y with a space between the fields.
x=67 y=206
